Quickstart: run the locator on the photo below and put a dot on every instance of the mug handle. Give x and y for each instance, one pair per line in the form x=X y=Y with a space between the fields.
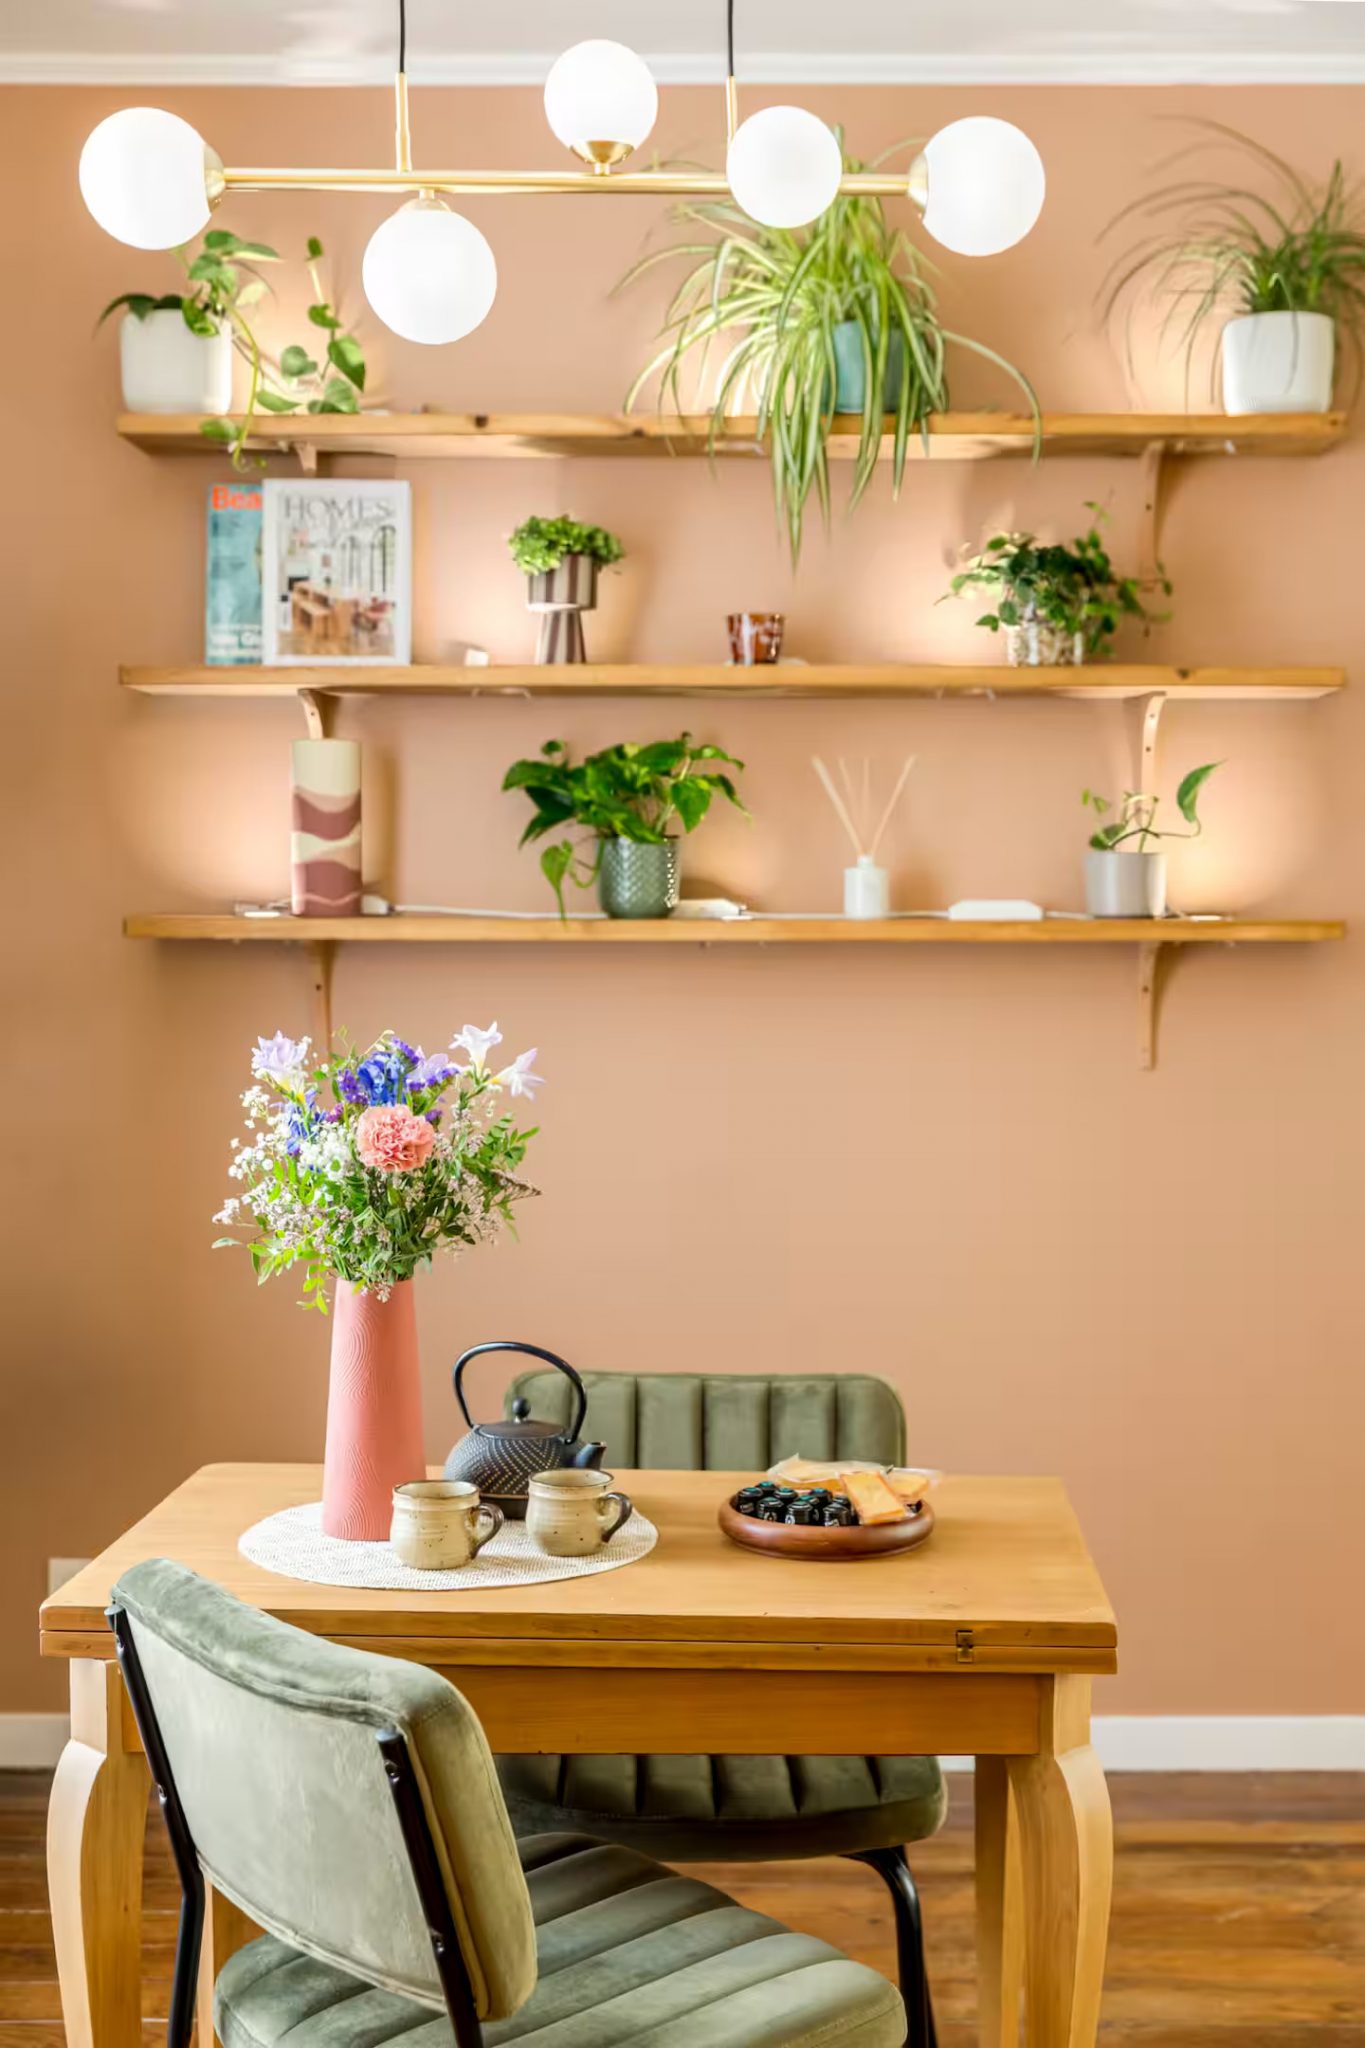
x=481 y=1535
x=626 y=1508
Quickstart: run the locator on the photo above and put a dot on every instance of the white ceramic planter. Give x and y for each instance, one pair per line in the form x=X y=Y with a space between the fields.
x=1279 y=362
x=166 y=368
x=1125 y=884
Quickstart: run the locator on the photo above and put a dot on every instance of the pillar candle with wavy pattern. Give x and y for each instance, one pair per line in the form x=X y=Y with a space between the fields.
x=324 y=844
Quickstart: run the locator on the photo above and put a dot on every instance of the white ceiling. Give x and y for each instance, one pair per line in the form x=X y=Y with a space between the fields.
x=513 y=41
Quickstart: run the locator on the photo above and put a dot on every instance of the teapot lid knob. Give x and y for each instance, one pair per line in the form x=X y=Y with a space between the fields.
x=521 y=1408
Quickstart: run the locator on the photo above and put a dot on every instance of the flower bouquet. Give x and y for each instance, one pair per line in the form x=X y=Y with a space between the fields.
x=362 y=1168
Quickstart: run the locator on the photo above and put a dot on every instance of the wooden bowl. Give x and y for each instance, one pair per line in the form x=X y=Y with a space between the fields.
x=826 y=1546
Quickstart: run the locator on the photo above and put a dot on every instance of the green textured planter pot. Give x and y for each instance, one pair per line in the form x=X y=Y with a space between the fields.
x=850 y=379
x=638 y=880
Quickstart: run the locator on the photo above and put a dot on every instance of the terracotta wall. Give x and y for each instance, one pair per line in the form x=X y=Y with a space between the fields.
x=941 y=1167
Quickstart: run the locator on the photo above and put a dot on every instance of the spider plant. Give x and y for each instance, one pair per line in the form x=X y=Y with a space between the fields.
x=769 y=300
x=1214 y=248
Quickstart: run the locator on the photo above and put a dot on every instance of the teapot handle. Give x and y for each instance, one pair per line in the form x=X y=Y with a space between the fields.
x=532 y=1351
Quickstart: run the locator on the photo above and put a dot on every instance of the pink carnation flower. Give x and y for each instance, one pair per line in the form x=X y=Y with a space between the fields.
x=393 y=1140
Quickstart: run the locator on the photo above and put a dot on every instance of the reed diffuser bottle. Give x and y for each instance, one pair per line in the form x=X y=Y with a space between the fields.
x=867 y=886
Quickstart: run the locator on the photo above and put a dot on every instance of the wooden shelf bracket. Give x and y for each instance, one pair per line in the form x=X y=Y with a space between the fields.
x=321 y=961
x=317 y=708
x=1153 y=967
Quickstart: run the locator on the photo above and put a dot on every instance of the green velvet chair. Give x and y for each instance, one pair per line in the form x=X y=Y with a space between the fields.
x=698 y=1809
x=349 y=1805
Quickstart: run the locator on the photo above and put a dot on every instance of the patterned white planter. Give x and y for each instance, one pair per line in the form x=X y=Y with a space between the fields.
x=562 y=595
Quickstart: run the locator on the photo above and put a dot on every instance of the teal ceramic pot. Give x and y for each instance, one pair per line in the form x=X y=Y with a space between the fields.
x=850 y=379
x=636 y=880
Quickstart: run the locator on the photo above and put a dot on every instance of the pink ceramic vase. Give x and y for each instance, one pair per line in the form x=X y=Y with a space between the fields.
x=374 y=1411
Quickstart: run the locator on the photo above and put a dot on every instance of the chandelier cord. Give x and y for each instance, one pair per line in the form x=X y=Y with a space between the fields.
x=402 y=35
x=729 y=38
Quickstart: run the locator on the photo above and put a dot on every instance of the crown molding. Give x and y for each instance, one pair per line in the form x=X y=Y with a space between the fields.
x=793 y=67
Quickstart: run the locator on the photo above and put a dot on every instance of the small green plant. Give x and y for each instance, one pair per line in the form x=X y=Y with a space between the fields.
x=623 y=792
x=1136 y=813
x=1074 y=589
x=770 y=300
x=224 y=282
x=1216 y=248
x=539 y=545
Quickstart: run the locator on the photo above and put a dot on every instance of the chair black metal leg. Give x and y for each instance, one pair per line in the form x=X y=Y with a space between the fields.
x=893 y=1868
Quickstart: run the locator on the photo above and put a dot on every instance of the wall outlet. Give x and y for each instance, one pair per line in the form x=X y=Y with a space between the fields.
x=60 y=1569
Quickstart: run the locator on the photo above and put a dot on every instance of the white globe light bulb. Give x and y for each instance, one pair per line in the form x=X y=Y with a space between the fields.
x=784 y=166
x=986 y=186
x=429 y=274
x=143 y=176
x=601 y=101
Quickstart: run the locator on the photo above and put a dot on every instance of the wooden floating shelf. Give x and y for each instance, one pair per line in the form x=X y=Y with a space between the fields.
x=1101 y=683
x=1154 y=939
x=415 y=928
x=961 y=436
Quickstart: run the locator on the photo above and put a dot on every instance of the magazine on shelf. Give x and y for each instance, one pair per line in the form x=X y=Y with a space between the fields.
x=232 y=576
x=337 y=573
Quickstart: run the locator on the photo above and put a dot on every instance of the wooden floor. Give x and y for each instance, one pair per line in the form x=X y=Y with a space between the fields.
x=1239 y=1914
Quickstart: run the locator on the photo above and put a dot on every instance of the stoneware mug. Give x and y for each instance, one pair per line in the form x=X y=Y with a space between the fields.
x=571 y=1513
x=440 y=1525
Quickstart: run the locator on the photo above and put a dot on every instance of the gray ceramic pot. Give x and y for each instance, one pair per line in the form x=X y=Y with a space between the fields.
x=638 y=880
x=1125 y=884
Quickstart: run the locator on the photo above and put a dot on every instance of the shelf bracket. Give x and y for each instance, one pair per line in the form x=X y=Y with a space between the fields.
x=1145 y=740
x=306 y=454
x=1152 y=969
x=1151 y=475
x=321 y=955
x=316 y=707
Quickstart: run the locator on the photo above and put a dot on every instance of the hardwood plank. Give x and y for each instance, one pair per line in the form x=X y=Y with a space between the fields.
x=416 y=929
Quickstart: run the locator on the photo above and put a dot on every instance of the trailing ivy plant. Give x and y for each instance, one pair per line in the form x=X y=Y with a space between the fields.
x=623 y=792
x=223 y=283
x=1136 y=813
x=539 y=545
x=769 y=300
x=1073 y=588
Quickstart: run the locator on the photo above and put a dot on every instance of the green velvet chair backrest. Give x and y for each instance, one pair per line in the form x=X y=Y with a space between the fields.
x=725 y=1422
x=270 y=1734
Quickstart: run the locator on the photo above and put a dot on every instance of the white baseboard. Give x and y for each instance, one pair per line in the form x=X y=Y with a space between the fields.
x=1126 y=1742
x=31 y=1742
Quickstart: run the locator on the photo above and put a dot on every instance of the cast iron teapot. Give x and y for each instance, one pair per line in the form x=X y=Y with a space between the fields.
x=501 y=1457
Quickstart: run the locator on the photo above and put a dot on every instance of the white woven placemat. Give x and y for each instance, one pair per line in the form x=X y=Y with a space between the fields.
x=292 y=1544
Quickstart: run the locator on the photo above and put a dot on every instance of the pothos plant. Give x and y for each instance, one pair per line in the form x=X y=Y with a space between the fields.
x=1074 y=588
x=623 y=792
x=224 y=282
x=770 y=301
x=1135 y=814
x=540 y=545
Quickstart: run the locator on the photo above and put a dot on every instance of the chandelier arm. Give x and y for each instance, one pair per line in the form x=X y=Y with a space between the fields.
x=640 y=184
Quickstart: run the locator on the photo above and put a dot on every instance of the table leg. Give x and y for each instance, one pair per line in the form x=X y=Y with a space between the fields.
x=999 y=1906
x=1066 y=1841
x=226 y=1929
x=96 y=1824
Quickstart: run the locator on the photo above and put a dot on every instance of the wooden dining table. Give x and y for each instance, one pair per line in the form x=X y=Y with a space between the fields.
x=981 y=1641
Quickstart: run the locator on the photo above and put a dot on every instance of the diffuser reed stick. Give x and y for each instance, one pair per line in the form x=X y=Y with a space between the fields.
x=867 y=887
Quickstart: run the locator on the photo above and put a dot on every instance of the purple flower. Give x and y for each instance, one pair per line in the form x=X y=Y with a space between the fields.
x=279 y=1058
x=430 y=1069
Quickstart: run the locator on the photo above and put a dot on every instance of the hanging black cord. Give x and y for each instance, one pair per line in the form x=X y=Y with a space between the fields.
x=729 y=38
x=402 y=35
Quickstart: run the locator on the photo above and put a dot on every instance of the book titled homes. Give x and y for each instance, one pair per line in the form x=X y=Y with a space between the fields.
x=336 y=572
x=232 y=588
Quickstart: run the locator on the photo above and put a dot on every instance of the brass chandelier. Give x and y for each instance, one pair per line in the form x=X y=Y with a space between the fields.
x=150 y=180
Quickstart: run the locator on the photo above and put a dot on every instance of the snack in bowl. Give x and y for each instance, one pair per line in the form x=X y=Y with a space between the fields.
x=873 y=1500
